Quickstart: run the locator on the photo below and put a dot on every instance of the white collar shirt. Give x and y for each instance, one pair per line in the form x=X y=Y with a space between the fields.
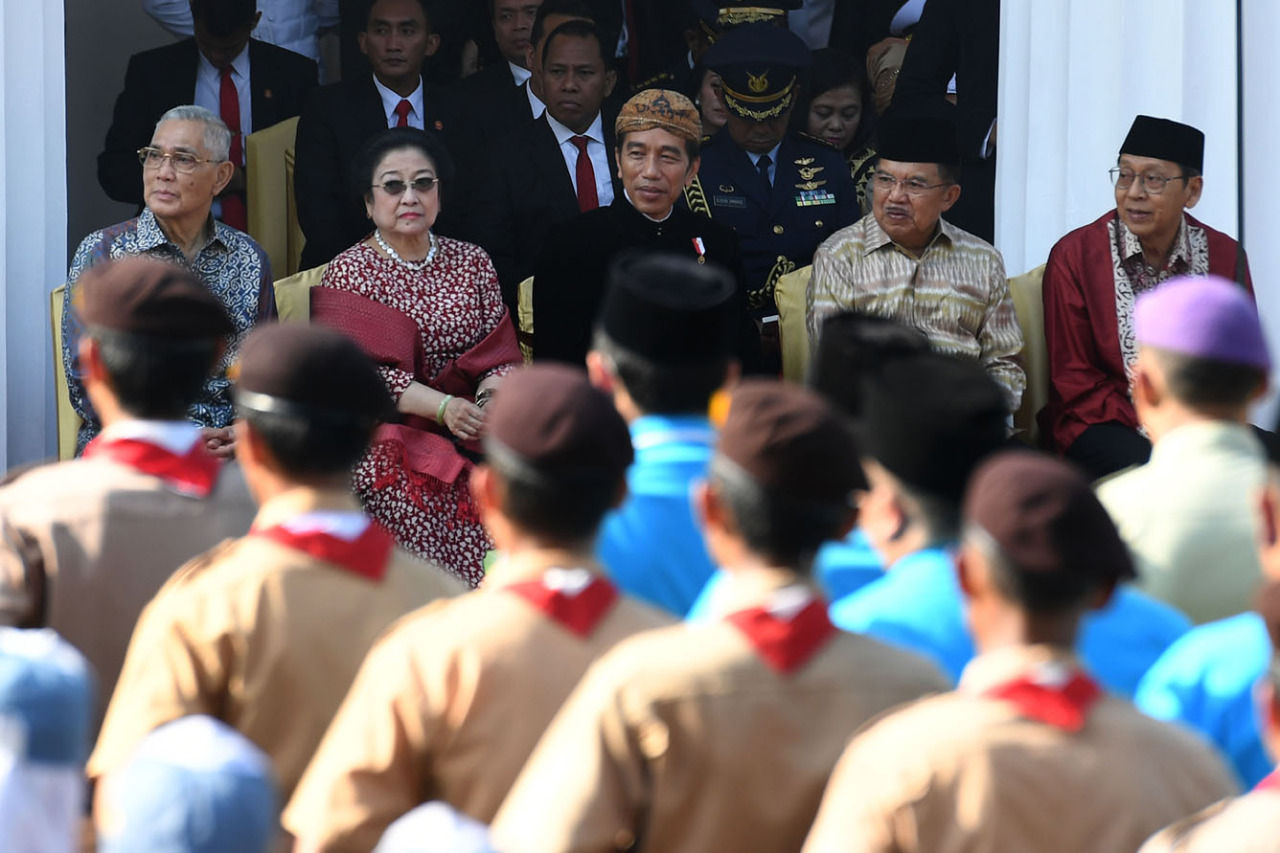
x=390 y=100
x=208 y=92
x=596 y=150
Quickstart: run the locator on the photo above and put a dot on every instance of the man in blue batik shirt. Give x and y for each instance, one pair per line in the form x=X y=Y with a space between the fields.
x=183 y=170
x=663 y=346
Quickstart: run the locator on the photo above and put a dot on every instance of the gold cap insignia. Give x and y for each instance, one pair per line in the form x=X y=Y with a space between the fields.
x=758 y=84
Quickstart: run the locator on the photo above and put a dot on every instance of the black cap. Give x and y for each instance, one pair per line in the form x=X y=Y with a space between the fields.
x=853 y=345
x=670 y=309
x=548 y=418
x=759 y=67
x=930 y=419
x=1046 y=518
x=791 y=443
x=1163 y=139
x=907 y=138
x=151 y=297
x=309 y=371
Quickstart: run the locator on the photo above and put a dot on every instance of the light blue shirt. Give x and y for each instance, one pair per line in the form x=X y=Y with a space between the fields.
x=840 y=569
x=652 y=545
x=917 y=605
x=1205 y=680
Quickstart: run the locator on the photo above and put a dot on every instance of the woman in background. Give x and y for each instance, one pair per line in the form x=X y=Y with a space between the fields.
x=836 y=108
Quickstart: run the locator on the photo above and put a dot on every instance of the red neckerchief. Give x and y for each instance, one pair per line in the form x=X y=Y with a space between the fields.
x=578 y=612
x=192 y=473
x=786 y=645
x=1062 y=702
x=1271 y=783
x=368 y=555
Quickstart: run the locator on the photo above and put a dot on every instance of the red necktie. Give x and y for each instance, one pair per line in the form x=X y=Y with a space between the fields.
x=233 y=207
x=402 y=110
x=587 y=198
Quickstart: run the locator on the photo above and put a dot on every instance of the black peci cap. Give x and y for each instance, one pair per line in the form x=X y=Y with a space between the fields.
x=670 y=309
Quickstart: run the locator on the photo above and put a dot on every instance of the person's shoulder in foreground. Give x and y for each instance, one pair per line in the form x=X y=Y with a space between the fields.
x=1028 y=725
x=654 y=732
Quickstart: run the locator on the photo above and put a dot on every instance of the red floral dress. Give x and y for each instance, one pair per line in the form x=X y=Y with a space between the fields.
x=456 y=302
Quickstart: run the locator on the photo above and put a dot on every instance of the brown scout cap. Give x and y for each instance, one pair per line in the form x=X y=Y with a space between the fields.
x=791 y=442
x=660 y=108
x=309 y=371
x=1045 y=517
x=551 y=419
x=149 y=297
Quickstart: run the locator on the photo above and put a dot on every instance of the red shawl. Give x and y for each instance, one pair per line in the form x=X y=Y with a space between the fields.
x=391 y=338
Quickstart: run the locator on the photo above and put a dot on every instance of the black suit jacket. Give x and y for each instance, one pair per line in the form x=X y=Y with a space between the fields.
x=571 y=271
x=529 y=192
x=858 y=24
x=163 y=78
x=336 y=121
x=960 y=37
x=490 y=105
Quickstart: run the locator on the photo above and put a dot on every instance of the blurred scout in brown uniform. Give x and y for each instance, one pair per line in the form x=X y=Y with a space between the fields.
x=1249 y=824
x=1029 y=753
x=88 y=542
x=720 y=735
x=451 y=702
x=267 y=632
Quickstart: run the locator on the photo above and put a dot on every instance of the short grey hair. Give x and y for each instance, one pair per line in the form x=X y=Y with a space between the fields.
x=217 y=136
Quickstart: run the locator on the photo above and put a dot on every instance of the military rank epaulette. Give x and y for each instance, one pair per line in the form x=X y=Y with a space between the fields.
x=661 y=80
x=817 y=140
x=696 y=198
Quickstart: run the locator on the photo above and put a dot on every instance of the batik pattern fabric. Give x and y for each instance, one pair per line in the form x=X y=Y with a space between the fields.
x=1134 y=276
x=231 y=265
x=955 y=293
x=456 y=302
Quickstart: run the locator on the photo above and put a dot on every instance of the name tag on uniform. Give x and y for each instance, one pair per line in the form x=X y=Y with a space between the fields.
x=736 y=202
x=812 y=198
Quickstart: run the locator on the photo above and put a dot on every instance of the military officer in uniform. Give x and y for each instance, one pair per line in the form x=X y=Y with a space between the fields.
x=266 y=632
x=1030 y=752
x=451 y=702
x=88 y=542
x=720 y=735
x=783 y=193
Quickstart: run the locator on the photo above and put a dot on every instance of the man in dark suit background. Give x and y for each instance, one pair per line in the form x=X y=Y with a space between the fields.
x=554 y=168
x=961 y=38
x=338 y=119
x=269 y=83
x=496 y=98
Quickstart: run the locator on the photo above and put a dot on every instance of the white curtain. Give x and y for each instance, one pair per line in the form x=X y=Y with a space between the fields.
x=33 y=220
x=1074 y=73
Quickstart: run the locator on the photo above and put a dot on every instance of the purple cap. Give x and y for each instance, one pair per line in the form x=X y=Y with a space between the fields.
x=1207 y=317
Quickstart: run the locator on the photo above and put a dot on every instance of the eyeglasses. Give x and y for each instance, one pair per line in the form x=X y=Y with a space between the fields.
x=183 y=161
x=1152 y=183
x=884 y=182
x=397 y=187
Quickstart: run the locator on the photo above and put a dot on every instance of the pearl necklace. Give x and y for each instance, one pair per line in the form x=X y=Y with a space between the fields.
x=395 y=256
